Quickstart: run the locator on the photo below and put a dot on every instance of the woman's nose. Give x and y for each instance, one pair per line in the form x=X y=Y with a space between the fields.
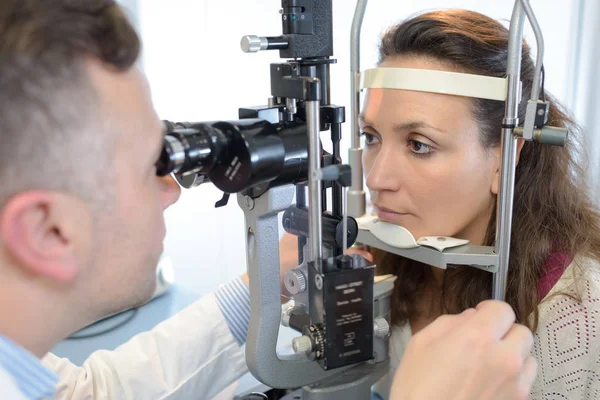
x=385 y=171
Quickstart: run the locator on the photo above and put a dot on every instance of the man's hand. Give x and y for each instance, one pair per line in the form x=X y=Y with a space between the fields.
x=479 y=354
x=288 y=253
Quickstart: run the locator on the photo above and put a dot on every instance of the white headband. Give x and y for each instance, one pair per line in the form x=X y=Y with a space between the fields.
x=444 y=82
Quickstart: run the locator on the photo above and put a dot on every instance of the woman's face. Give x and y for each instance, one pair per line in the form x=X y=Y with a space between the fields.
x=424 y=163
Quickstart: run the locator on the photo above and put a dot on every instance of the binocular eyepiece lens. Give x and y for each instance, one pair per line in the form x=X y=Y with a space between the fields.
x=172 y=156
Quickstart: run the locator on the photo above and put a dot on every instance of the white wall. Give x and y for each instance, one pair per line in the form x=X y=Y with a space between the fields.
x=198 y=72
x=585 y=83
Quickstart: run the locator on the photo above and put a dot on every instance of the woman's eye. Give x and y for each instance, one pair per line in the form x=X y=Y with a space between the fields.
x=419 y=148
x=370 y=139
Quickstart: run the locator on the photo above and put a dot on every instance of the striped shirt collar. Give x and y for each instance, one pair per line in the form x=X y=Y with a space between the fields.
x=33 y=379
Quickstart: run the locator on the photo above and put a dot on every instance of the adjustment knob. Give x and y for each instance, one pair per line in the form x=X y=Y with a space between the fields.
x=253 y=44
x=381 y=328
x=287 y=313
x=295 y=281
x=302 y=344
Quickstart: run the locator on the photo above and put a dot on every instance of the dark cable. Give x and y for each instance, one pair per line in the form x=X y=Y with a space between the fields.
x=543 y=79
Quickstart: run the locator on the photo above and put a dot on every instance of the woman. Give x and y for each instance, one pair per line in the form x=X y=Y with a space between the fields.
x=432 y=163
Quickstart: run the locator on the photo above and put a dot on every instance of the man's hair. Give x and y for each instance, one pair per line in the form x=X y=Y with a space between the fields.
x=52 y=136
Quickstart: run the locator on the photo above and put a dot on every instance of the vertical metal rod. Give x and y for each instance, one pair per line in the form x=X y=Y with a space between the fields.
x=539 y=59
x=314 y=184
x=301 y=203
x=324 y=204
x=345 y=221
x=359 y=14
x=356 y=194
x=505 y=207
x=509 y=151
x=337 y=191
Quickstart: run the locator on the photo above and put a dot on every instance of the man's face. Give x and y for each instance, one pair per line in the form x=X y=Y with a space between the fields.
x=129 y=229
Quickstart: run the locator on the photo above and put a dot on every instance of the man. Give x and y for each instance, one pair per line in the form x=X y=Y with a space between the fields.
x=81 y=228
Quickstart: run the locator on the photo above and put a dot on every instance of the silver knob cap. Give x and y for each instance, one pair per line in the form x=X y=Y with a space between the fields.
x=295 y=281
x=381 y=328
x=253 y=44
x=302 y=344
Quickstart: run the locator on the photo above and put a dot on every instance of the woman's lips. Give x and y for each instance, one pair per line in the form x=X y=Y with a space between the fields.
x=391 y=216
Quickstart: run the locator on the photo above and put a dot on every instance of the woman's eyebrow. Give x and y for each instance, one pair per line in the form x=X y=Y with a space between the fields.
x=404 y=126
x=412 y=125
x=361 y=119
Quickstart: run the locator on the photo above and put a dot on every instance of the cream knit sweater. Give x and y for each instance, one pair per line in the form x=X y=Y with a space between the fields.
x=566 y=344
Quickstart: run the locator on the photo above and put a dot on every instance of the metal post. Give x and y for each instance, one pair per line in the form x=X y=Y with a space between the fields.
x=314 y=184
x=356 y=194
x=509 y=151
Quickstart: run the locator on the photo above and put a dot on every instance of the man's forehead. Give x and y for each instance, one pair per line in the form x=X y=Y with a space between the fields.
x=128 y=89
x=124 y=97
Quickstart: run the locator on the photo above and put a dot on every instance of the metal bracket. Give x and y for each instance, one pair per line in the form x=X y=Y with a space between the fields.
x=481 y=257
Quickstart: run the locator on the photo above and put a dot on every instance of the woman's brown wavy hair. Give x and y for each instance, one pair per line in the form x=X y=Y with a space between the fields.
x=552 y=211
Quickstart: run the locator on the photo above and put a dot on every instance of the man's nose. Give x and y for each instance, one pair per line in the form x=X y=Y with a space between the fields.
x=170 y=190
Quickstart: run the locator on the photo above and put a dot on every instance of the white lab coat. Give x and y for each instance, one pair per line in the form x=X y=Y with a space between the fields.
x=192 y=355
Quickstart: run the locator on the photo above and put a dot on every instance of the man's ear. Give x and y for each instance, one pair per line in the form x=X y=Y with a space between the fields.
x=39 y=232
x=496 y=181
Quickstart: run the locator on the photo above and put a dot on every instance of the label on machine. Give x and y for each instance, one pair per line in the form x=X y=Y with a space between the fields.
x=348 y=319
